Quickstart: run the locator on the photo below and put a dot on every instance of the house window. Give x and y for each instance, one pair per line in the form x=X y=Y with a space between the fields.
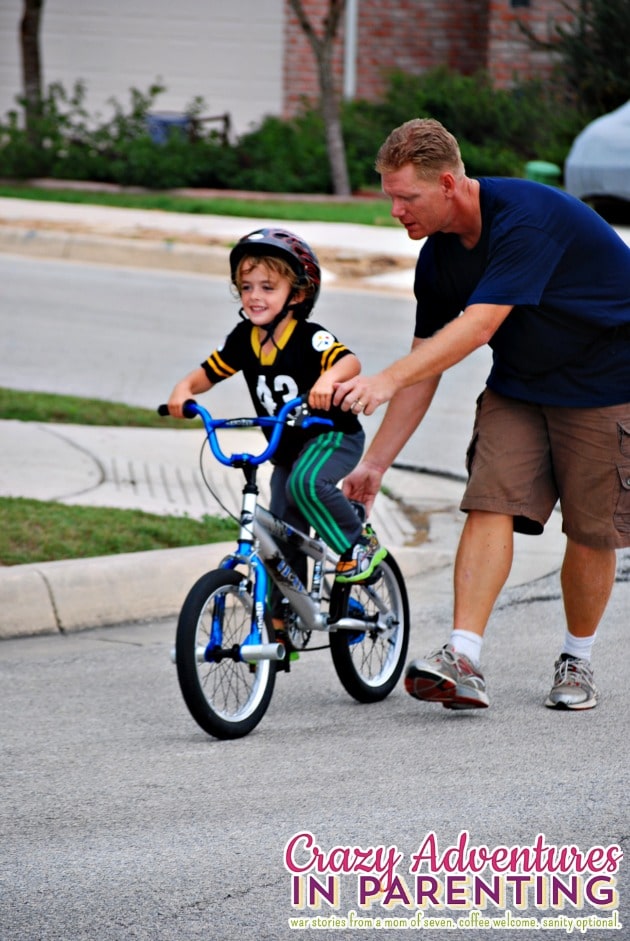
x=519 y=3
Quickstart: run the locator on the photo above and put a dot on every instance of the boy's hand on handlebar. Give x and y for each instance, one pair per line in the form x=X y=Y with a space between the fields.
x=175 y=408
x=176 y=402
x=187 y=388
x=182 y=393
x=320 y=396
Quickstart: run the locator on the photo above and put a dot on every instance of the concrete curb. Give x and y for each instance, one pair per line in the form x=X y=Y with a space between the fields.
x=167 y=254
x=74 y=595
x=71 y=595
x=163 y=254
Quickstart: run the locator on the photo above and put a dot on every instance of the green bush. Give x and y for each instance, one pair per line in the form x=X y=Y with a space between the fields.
x=498 y=130
x=284 y=156
x=66 y=143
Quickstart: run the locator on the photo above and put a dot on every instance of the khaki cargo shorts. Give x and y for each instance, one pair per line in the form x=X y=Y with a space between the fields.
x=523 y=458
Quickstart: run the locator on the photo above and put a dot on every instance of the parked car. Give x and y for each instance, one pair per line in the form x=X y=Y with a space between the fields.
x=597 y=168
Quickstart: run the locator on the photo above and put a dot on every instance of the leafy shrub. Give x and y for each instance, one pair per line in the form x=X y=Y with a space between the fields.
x=285 y=156
x=498 y=131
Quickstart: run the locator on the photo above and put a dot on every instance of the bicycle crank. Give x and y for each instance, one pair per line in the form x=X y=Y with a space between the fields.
x=246 y=653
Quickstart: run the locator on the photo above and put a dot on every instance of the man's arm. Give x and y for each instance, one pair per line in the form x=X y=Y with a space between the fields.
x=450 y=345
x=404 y=413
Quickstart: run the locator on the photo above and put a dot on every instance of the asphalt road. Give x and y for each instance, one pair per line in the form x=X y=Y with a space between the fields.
x=122 y=820
x=127 y=335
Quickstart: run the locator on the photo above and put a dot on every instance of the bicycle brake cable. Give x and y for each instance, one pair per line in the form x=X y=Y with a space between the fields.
x=209 y=487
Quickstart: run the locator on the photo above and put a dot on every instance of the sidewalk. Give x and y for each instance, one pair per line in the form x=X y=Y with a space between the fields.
x=191 y=242
x=157 y=471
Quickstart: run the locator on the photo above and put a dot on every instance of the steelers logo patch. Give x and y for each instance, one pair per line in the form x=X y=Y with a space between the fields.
x=322 y=340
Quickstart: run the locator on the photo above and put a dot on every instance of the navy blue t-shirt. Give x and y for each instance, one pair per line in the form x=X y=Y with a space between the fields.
x=567 y=274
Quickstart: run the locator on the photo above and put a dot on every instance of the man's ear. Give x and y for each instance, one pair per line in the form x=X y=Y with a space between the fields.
x=448 y=184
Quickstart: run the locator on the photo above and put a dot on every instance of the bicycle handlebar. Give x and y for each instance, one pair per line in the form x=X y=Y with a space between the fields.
x=277 y=422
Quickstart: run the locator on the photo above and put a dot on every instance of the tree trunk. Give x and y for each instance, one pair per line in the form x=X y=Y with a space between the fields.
x=335 y=145
x=31 y=63
x=323 y=49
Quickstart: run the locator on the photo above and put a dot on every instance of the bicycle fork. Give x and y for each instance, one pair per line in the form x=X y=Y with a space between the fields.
x=252 y=650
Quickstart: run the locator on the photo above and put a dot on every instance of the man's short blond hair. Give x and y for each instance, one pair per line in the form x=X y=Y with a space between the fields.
x=426 y=144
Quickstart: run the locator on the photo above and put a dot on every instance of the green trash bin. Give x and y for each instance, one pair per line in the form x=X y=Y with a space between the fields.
x=541 y=171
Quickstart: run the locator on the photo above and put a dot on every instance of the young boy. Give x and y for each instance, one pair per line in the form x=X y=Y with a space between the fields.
x=277 y=278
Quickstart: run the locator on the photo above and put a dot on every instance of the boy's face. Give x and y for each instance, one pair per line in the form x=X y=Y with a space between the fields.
x=263 y=292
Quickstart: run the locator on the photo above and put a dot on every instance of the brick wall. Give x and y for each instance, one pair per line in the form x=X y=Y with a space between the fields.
x=417 y=35
x=510 y=55
x=300 y=67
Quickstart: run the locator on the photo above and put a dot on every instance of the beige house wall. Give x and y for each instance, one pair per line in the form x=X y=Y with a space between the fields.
x=229 y=53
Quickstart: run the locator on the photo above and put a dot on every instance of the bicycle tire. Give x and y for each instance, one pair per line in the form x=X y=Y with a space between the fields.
x=369 y=663
x=229 y=698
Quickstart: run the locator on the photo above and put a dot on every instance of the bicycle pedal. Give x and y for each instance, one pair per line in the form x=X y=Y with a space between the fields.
x=291 y=654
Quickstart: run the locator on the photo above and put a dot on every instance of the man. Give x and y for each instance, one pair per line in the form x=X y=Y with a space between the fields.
x=546 y=283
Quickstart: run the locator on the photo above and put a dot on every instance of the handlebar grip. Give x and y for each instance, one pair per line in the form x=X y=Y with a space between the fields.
x=187 y=410
x=190 y=409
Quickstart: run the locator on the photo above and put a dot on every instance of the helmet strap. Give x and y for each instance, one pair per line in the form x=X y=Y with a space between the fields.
x=288 y=308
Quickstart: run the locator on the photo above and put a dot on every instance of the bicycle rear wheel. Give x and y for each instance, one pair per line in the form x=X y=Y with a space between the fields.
x=369 y=660
x=226 y=698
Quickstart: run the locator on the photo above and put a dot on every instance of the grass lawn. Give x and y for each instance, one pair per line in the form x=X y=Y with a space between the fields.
x=39 y=531
x=365 y=210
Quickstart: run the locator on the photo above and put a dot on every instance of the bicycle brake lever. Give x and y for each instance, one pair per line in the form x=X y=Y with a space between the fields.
x=301 y=415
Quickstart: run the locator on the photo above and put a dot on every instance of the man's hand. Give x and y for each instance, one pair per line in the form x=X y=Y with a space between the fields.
x=364 y=393
x=363 y=484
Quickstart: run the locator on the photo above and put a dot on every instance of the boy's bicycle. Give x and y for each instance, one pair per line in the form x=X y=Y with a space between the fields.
x=226 y=650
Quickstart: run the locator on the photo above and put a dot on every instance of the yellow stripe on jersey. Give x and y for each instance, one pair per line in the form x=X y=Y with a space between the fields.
x=269 y=357
x=331 y=355
x=219 y=366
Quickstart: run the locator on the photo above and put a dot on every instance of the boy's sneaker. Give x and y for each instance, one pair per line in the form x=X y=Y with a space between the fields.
x=573 y=686
x=360 y=561
x=447 y=677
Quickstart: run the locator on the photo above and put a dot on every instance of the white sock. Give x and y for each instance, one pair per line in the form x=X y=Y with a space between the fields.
x=468 y=643
x=579 y=647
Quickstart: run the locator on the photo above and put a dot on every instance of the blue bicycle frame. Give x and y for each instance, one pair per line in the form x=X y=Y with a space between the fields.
x=257 y=525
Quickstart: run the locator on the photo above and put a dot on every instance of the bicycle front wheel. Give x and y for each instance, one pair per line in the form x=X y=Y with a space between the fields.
x=227 y=698
x=369 y=660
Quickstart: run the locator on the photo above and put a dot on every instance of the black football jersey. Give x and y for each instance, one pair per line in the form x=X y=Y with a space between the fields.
x=304 y=351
